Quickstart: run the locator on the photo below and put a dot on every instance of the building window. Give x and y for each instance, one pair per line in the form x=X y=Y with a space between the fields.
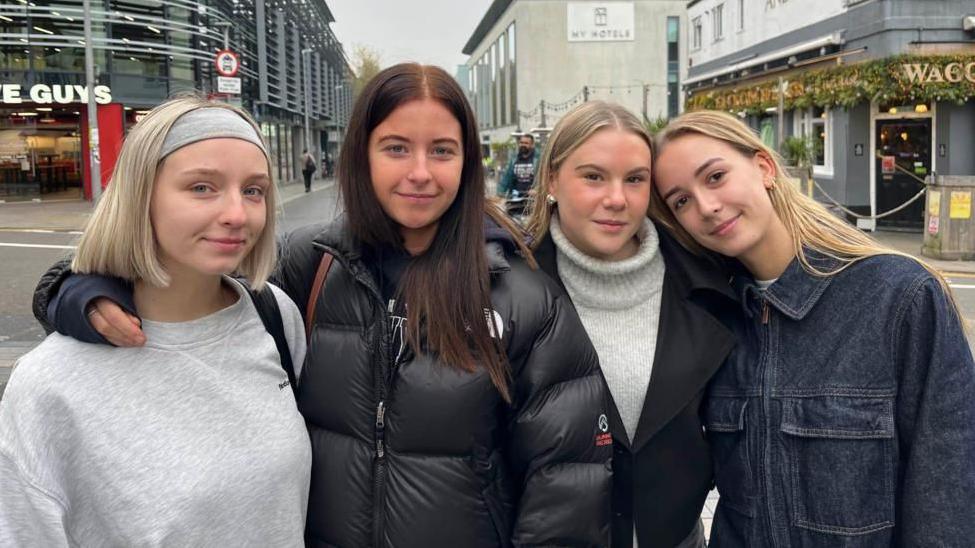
x=696 y=34
x=816 y=125
x=717 y=22
x=673 y=66
x=741 y=15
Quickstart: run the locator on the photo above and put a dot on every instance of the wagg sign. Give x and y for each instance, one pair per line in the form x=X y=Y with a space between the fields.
x=43 y=94
x=927 y=73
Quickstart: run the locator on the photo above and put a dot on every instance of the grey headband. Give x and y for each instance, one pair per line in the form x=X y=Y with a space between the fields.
x=209 y=123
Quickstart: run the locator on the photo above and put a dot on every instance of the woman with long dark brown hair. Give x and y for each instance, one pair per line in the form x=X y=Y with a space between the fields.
x=452 y=395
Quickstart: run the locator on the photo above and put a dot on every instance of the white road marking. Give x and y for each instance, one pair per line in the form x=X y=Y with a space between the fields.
x=961 y=286
x=38 y=246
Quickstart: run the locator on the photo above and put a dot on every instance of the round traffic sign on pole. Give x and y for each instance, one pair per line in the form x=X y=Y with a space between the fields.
x=228 y=63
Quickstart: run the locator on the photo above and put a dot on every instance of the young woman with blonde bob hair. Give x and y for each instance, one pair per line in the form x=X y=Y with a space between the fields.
x=637 y=292
x=195 y=438
x=845 y=415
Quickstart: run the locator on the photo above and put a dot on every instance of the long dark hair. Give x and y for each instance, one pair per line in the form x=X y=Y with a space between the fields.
x=447 y=287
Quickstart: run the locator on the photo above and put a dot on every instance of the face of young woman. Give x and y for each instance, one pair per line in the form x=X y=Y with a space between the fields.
x=415 y=159
x=719 y=195
x=603 y=189
x=207 y=208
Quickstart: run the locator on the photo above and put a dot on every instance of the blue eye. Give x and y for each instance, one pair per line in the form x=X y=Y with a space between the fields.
x=396 y=149
x=254 y=191
x=200 y=188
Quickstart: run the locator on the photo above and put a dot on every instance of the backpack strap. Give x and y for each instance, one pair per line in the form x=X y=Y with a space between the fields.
x=316 y=289
x=267 y=308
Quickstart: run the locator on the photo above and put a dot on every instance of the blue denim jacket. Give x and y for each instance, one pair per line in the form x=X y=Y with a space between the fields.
x=846 y=415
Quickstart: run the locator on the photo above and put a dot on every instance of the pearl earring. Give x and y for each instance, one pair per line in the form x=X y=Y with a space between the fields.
x=550 y=199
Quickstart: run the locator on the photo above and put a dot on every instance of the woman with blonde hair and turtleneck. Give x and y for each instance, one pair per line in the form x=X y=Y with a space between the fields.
x=636 y=291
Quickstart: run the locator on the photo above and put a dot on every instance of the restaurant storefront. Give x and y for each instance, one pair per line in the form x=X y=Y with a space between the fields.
x=43 y=140
x=877 y=128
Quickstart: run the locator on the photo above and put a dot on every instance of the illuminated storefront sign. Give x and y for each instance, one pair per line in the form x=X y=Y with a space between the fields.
x=43 y=94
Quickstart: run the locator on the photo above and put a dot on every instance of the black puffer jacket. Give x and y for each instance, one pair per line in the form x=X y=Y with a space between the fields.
x=426 y=456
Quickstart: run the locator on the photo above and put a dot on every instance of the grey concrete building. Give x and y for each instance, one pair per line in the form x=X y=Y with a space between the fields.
x=532 y=60
x=884 y=89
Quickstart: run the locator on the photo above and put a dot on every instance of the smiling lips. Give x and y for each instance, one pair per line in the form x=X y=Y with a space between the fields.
x=610 y=225
x=228 y=245
x=413 y=197
x=725 y=227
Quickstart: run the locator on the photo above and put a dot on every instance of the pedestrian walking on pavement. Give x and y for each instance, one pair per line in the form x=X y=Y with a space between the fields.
x=634 y=288
x=451 y=393
x=845 y=415
x=189 y=440
x=307 y=168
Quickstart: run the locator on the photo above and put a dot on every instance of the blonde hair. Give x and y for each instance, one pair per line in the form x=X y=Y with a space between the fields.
x=119 y=239
x=809 y=224
x=571 y=131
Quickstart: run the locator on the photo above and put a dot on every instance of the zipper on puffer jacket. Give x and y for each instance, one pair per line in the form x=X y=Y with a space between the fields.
x=381 y=368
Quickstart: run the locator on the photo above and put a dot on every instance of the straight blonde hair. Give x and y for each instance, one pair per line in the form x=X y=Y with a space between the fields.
x=570 y=132
x=119 y=239
x=810 y=225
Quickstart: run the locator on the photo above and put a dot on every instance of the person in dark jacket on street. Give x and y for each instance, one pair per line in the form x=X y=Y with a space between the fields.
x=845 y=415
x=450 y=391
x=635 y=290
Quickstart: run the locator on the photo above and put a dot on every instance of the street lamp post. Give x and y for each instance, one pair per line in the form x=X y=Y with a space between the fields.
x=94 y=150
x=305 y=69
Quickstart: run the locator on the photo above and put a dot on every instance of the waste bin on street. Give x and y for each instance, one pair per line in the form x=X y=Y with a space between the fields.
x=949 y=232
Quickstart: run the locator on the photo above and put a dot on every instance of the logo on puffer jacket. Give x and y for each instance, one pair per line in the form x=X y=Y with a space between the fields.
x=604 y=437
x=496 y=327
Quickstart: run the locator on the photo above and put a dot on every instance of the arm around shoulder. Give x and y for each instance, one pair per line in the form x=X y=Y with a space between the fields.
x=560 y=406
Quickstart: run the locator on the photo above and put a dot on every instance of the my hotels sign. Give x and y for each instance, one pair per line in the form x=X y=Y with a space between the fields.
x=905 y=78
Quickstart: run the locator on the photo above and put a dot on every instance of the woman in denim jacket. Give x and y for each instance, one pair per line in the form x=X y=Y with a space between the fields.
x=846 y=416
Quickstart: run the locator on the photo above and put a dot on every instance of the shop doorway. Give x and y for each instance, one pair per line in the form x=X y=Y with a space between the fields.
x=40 y=154
x=903 y=160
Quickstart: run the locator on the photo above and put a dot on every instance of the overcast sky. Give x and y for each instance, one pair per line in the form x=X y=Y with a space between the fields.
x=429 y=31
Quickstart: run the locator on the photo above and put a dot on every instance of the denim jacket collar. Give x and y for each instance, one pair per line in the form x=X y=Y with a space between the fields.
x=795 y=292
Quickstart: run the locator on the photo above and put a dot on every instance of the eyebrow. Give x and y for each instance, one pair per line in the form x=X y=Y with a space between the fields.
x=211 y=172
x=394 y=137
x=697 y=172
x=706 y=165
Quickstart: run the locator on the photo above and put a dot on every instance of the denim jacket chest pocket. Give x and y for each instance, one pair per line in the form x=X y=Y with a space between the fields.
x=729 y=433
x=839 y=454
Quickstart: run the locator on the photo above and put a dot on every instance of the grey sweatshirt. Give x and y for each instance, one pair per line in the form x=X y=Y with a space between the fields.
x=192 y=440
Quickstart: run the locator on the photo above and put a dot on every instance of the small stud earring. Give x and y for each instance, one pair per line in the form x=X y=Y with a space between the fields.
x=550 y=199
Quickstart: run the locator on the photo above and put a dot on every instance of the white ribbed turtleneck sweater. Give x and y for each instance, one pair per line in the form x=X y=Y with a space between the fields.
x=619 y=305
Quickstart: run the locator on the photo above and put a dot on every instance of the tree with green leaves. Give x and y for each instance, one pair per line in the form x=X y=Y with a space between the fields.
x=366 y=63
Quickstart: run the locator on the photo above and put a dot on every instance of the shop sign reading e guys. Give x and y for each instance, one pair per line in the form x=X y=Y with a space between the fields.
x=44 y=94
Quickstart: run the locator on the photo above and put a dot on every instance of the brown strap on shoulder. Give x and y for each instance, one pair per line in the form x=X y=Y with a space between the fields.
x=316 y=290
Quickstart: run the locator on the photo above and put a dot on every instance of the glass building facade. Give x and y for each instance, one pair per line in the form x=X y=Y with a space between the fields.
x=148 y=50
